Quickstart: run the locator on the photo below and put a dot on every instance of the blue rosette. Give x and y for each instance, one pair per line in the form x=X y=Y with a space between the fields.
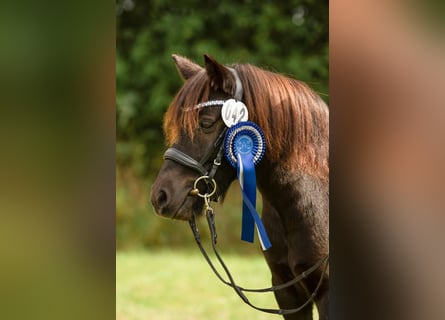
x=244 y=147
x=244 y=138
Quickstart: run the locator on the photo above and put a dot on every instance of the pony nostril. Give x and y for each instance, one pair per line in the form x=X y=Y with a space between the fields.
x=162 y=198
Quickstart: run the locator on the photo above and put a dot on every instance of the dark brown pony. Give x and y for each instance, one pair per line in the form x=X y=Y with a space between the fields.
x=292 y=177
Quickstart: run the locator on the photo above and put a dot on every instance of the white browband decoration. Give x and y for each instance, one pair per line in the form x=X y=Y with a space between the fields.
x=210 y=103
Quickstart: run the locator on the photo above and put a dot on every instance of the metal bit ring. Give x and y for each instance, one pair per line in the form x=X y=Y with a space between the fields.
x=196 y=192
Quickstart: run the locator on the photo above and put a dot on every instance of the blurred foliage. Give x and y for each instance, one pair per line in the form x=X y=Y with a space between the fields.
x=290 y=37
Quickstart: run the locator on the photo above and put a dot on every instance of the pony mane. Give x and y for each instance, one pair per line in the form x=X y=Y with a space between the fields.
x=294 y=119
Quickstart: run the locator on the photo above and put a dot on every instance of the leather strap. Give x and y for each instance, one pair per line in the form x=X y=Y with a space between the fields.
x=185 y=160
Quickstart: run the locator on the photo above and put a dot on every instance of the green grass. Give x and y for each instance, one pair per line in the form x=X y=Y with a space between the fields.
x=171 y=285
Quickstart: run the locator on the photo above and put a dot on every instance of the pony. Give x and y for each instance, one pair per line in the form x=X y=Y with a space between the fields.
x=293 y=176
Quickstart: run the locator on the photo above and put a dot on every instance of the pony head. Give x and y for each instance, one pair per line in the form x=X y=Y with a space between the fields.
x=294 y=120
x=193 y=130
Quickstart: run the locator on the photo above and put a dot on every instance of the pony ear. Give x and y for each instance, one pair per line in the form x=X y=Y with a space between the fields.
x=220 y=76
x=186 y=68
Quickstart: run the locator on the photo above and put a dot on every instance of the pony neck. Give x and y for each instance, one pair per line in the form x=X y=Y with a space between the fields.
x=285 y=189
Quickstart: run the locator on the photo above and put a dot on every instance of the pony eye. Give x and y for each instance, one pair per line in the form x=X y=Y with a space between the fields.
x=206 y=124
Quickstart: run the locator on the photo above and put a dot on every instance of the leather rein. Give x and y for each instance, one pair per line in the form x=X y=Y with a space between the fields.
x=207 y=177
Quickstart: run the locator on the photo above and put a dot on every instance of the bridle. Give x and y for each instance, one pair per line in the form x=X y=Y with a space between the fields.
x=207 y=176
x=185 y=160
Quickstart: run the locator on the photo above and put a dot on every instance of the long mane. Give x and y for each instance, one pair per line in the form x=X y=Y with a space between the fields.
x=294 y=119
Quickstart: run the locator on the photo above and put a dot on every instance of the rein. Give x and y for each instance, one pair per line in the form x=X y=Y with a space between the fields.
x=210 y=216
x=207 y=177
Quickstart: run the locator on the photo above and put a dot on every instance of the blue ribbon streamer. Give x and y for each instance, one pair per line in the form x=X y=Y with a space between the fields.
x=250 y=217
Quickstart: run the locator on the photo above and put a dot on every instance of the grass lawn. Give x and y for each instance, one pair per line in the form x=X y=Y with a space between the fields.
x=172 y=285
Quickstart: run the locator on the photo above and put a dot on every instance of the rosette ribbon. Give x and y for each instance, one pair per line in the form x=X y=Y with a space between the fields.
x=244 y=148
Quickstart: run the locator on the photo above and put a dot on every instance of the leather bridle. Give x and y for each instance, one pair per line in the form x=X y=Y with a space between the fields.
x=217 y=149
x=185 y=160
